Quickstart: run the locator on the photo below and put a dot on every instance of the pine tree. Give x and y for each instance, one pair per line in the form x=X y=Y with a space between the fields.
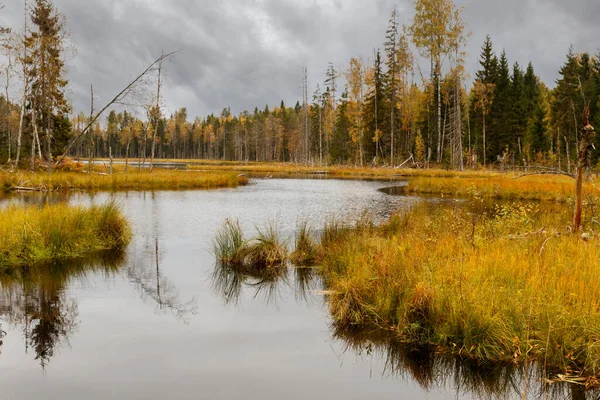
x=538 y=141
x=531 y=90
x=518 y=121
x=499 y=134
x=483 y=97
x=47 y=69
x=374 y=109
x=488 y=63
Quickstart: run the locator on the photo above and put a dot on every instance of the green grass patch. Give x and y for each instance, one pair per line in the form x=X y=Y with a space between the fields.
x=33 y=235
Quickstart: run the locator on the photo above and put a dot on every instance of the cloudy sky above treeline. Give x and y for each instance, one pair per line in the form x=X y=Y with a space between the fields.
x=247 y=53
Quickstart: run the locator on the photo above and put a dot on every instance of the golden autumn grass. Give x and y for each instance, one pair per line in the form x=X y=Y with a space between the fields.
x=510 y=286
x=507 y=187
x=435 y=182
x=32 y=235
x=131 y=180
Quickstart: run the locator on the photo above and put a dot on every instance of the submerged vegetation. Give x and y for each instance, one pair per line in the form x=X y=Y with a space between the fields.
x=510 y=285
x=33 y=235
x=132 y=180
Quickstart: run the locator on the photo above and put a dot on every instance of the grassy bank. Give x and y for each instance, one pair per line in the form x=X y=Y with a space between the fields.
x=435 y=182
x=509 y=286
x=32 y=235
x=507 y=187
x=132 y=180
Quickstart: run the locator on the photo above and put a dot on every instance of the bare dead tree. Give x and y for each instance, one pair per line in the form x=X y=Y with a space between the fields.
x=119 y=98
x=585 y=145
x=157 y=116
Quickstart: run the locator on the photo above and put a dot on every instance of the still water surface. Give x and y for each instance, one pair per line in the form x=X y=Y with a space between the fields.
x=153 y=324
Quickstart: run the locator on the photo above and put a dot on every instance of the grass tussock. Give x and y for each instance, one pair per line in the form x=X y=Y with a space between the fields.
x=32 y=235
x=266 y=250
x=307 y=252
x=266 y=254
x=133 y=180
x=510 y=285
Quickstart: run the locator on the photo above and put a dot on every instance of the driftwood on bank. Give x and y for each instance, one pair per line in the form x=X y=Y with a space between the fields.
x=546 y=173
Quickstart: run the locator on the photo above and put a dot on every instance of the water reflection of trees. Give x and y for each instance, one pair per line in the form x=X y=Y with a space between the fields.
x=432 y=369
x=153 y=286
x=36 y=300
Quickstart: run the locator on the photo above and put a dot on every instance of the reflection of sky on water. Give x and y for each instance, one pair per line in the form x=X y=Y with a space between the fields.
x=154 y=326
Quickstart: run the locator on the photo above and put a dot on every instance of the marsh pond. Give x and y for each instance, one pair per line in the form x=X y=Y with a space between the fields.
x=156 y=322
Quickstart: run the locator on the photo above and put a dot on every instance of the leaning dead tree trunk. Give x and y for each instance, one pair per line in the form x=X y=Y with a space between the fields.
x=117 y=99
x=157 y=110
x=585 y=145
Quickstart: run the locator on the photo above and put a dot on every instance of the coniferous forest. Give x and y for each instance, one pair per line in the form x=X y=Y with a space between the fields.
x=385 y=109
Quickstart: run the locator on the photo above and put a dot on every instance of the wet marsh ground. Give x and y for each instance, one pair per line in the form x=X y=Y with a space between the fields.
x=223 y=333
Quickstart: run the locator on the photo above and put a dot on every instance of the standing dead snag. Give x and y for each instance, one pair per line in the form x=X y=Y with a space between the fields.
x=585 y=145
x=117 y=99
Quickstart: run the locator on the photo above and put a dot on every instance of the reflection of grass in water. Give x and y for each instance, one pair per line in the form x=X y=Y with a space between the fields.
x=306 y=281
x=228 y=282
x=259 y=263
x=432 y=368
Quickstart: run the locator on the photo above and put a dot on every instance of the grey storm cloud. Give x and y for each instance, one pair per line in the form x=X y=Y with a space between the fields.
x=247 y=53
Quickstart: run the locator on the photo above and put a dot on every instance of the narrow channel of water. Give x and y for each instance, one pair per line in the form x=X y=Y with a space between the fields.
x=153 y=323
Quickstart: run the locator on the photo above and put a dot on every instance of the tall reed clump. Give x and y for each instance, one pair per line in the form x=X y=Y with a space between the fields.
x=229 y=245
x=306 y=251
x=266 y=250
x=132 y=180
x=512 y=284
x=259 y=256
x=31 y=235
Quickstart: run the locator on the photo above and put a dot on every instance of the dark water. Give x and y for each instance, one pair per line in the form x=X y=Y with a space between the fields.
x=153 y=323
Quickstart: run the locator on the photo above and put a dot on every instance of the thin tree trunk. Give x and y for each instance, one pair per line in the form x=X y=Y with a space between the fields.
x=127 y=154
x=585 y=143
x=568 y=155
x=484 y=151
x=439 y=111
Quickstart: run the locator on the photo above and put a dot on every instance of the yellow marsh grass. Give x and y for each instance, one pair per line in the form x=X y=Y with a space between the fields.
x=30 y=235
x=533 y=187
x=132 y=180
x=509 y=286
x=488 y=184
x=337 y=171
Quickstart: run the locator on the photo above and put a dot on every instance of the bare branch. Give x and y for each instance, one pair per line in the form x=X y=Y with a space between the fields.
x=118 y=98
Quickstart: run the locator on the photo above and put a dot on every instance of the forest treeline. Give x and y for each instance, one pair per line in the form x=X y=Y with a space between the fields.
x=378 y=111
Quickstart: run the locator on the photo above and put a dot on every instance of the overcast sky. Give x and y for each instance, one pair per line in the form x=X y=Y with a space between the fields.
x=247 y=53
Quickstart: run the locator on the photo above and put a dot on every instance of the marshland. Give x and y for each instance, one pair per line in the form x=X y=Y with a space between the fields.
x=176 y=223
